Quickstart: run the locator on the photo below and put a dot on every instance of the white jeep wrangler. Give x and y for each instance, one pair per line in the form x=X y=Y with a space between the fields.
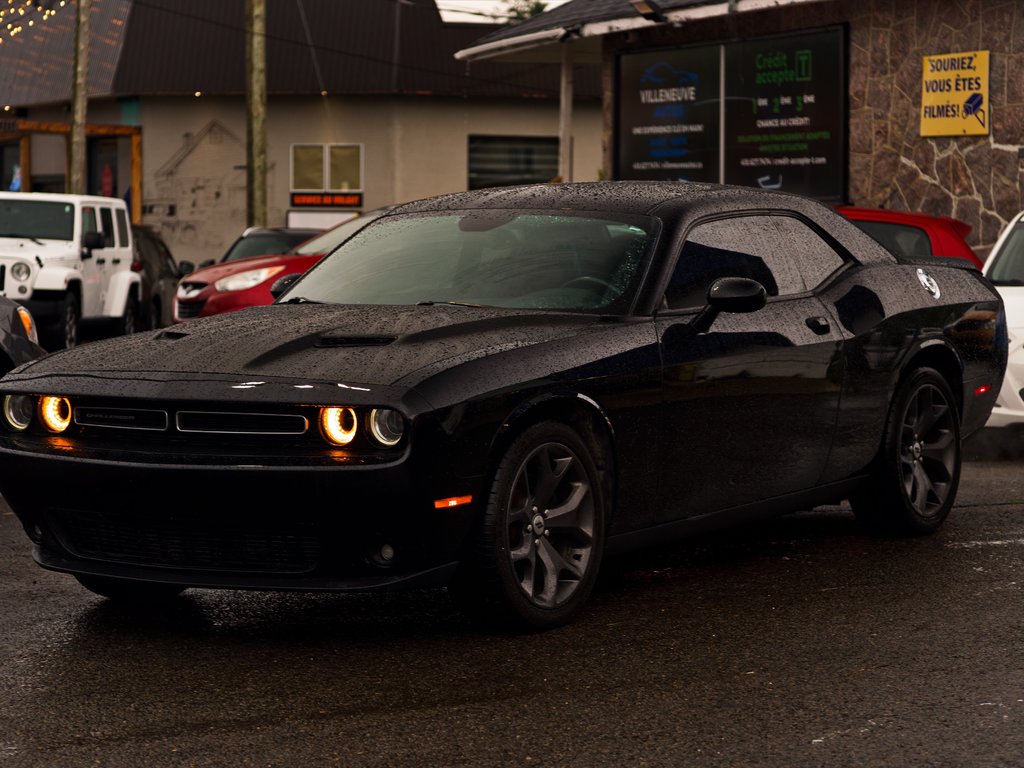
x=68 y=258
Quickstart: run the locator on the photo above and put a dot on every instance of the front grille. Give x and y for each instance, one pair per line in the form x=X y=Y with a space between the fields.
x=242 y=423
x=189 y=539
x=187 y=309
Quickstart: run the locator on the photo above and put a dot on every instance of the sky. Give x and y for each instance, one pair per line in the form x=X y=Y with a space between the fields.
x=476 y=10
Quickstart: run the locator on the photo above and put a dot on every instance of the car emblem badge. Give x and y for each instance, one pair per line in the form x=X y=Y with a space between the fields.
x=929 y=283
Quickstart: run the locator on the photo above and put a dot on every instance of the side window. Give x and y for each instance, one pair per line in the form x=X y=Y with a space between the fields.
x=780 y=252
x=107 y=219
x=89 y=223
x=122 y=227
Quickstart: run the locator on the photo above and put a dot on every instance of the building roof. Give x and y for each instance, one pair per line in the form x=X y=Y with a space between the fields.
x=584 y=22
x=341 y=47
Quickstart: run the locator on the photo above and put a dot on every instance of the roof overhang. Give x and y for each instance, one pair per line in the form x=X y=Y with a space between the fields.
x=542 y=46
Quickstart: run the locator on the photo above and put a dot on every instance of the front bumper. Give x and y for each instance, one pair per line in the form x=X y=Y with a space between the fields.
x=346 y=529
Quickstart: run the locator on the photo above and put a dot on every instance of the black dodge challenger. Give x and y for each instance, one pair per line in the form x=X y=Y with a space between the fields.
x=493 y=390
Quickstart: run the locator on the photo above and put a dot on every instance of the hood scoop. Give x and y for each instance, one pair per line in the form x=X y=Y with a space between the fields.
x=333 y=339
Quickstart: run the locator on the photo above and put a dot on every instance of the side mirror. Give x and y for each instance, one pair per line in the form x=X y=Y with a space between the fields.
x=282 y=284
x=206 y=263
x=185 y=268
x=90 y=242
x=730 y=294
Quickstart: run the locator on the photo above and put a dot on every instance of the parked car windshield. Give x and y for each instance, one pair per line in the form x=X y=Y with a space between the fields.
x=488 y=258
x=43 y=220
x=335 y=236
x=902 y=239
x=261 y=243
x=1008 y=263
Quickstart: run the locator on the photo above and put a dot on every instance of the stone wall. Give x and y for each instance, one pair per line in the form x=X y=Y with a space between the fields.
x=976 y=179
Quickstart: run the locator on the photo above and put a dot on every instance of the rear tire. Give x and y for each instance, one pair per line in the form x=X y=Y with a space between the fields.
x=129 y=322
x=541 y=539
x=917 y=471
x=127 y=591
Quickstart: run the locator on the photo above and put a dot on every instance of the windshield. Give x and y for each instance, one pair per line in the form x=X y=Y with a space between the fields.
x=42 y=220
x=487 y=258
x=1007 y=266
x=335 y=236
x=262 y=243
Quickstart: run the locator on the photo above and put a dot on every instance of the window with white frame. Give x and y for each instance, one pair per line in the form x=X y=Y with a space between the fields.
x=327 y=167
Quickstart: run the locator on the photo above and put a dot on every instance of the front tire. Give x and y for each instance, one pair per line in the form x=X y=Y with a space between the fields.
x=127 y=591
x=917 y=472
x=540 y=543
x=64 y=333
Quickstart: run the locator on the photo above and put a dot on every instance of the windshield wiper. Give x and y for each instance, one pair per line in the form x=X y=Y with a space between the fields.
x=431 y=302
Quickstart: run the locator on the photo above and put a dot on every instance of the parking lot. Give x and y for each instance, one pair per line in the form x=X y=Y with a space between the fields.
x=800 y=642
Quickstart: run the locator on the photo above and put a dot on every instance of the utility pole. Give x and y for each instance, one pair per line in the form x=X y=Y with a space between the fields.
x=76 y=182
x=256 y=101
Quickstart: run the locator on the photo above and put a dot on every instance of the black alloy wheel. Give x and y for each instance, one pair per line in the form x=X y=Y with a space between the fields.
x=542 y=537
x=918 y=471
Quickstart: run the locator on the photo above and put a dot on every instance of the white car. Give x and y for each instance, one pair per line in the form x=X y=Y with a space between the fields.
x=1005 y=269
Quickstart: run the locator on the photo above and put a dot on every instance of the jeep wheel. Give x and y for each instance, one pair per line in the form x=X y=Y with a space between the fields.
x=63 y=334
x=130 y=319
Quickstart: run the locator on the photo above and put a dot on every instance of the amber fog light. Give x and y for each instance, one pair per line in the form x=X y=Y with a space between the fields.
x=386 y=426
x=338 y=425
x=18 y=411
x=55 y=412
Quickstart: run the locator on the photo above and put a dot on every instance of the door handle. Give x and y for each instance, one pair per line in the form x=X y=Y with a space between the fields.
x=101 y=261
x=819 y=325
x=116 y=261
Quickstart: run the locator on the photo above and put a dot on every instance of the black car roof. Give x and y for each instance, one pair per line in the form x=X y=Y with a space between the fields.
x=630 y=197
x=674 y=201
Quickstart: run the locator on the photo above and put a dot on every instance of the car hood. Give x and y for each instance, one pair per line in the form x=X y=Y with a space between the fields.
x=356 y=345
x=215 y=272
x=25 y=248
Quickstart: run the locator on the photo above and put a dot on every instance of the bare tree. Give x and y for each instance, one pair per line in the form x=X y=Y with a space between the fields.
x=516 y=11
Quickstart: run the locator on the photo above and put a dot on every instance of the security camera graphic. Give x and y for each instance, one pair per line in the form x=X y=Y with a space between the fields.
x=973 y=106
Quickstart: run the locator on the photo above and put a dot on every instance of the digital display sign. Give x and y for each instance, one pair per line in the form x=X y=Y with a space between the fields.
x=785 y=114
x=767 y=113
x=669 y=115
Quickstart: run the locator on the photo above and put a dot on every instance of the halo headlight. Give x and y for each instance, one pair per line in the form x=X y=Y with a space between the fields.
x=386 y=426
x=338 y=425
x=55 y=412
x=18 y=411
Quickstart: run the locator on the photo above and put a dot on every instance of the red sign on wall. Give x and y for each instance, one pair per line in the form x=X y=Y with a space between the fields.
x=327 y=199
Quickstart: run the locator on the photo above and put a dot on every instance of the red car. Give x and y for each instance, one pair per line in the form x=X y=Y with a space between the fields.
x=239 y=283
x=914 y=235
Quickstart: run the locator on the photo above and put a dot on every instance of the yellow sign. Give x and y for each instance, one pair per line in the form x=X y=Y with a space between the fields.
x=954 y=94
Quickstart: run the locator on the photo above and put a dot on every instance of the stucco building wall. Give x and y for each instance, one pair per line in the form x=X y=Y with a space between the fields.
x=194 y=153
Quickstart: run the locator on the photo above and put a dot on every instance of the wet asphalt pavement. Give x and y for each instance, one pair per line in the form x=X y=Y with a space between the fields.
x=800 y=642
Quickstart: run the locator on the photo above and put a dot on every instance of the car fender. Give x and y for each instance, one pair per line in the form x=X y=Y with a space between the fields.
x=122 y=285
x=575 y=408
x=55 y=278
